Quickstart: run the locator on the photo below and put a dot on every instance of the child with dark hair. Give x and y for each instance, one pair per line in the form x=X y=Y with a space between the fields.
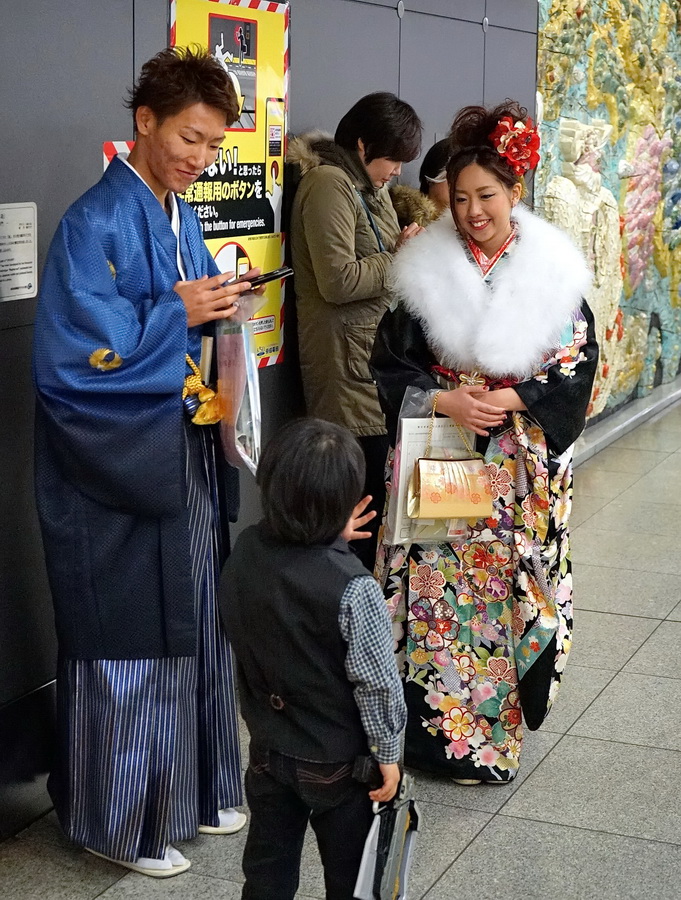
x=317 y=677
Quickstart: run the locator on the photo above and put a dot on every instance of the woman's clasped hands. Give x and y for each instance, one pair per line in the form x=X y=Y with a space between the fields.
x=469 y=406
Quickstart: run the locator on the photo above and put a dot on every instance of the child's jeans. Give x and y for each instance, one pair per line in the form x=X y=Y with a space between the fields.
x=283 y=793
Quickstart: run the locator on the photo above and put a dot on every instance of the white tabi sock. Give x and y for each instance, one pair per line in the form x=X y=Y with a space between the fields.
x=228 y=817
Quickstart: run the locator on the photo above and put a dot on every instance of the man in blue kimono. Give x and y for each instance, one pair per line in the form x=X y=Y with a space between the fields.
x=132 y=495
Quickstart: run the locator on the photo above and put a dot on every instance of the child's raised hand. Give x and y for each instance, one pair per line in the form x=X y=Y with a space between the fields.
x=357 y=520
x=391 y=779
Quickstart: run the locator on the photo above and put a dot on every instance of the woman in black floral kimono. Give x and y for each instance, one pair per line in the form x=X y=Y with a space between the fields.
x=490 y=319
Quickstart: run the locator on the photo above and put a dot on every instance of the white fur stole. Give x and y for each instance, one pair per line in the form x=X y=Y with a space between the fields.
x=505 y=329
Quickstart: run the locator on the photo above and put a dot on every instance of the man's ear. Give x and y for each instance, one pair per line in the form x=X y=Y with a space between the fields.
x=145 y=120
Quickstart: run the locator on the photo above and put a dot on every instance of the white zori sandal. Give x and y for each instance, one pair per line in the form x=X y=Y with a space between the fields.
x=231 y=821
x=173 y=863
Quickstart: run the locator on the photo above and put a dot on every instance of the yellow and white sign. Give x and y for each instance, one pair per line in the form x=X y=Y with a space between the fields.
x=239 y=198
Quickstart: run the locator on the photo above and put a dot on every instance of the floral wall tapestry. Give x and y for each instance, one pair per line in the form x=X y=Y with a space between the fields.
x=609 y=104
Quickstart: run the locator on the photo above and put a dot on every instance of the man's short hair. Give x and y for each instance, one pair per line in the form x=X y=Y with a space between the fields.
x=311 y=476
x=387 y=126
x=179 y=77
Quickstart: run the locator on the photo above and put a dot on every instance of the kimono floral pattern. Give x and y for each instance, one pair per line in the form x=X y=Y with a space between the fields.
x=464 y=613
x=569 y=354
x=471 y=619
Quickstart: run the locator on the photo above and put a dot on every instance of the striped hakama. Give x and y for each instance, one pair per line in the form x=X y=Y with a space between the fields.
x=150 y=747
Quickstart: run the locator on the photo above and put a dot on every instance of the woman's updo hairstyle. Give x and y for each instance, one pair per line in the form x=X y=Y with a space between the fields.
x=470 y=142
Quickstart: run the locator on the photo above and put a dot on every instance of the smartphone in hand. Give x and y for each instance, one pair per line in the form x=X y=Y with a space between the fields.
x=274 y=275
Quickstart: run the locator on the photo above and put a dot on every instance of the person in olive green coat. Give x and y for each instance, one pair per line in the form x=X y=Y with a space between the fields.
x=344 y=232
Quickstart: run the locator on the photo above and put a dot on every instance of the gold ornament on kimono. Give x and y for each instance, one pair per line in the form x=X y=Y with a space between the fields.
x=105 y=359
x=204 y=405
x=472 y=379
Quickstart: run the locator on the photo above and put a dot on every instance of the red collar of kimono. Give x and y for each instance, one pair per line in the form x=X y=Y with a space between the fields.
x=484 y=263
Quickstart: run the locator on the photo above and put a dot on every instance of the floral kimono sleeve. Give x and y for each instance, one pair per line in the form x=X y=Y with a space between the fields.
x=557 y=397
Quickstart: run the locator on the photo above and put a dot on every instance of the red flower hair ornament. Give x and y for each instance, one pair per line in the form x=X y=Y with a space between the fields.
x=518 y=143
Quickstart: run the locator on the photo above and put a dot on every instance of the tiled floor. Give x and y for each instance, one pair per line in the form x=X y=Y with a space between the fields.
x=596 y=809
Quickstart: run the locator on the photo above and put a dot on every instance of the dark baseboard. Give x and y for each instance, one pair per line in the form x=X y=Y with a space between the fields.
x=27 y=742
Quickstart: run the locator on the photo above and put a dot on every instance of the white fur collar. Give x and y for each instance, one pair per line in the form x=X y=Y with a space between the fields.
x=501 y=330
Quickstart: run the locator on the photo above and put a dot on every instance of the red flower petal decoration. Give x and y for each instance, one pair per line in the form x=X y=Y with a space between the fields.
x=518 y=143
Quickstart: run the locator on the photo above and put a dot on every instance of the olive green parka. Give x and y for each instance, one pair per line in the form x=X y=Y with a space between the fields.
x=340 y=279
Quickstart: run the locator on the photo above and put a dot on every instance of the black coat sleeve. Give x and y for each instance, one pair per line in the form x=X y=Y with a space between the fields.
x=559 y=404
x=401 y=358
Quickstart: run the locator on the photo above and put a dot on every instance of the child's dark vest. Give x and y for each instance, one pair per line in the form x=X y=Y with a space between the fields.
x=280 y=607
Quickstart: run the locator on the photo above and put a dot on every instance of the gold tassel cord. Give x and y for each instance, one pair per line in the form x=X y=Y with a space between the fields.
x=211 y=408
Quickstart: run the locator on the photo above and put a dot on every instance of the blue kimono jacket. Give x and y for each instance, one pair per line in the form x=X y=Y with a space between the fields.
x=109 y=365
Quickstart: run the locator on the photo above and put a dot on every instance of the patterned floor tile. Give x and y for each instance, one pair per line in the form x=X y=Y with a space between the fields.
x=53 y=871
x=592 y=481
x=626 y=550
x=553 y=862
x=604 y=589
x=625 y=459
x=635 y=709
x=607 y=641
x=579 y=687
x=661 y=653
x=641 y=517
x=183 y=887
x=605 y=786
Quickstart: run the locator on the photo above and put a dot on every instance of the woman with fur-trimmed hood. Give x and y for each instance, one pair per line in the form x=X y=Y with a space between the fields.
x=344 y=233
x=491 y=325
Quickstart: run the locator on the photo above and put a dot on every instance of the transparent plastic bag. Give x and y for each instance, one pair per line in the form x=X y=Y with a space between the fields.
x=239 y=385
x=412 y=437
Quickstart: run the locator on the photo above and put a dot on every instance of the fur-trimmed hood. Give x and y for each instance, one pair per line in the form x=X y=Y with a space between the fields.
x=412 y=206
x=307 y=150
x=505 y=329
x=318 y=148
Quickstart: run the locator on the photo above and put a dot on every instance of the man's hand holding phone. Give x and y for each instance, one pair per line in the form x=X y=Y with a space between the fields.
x=208 y=299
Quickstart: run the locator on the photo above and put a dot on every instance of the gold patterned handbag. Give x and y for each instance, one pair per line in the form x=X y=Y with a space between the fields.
x=442 y=488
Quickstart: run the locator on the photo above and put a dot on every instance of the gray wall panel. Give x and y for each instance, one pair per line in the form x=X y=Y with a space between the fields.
x=63 y=73
x=27 y=741
x=150 y=30
x=438 y=83
x=391 y=3
x=27 y=642
x=518 y=14
x=470 y=10
x=504 y=75
x=340 y=51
